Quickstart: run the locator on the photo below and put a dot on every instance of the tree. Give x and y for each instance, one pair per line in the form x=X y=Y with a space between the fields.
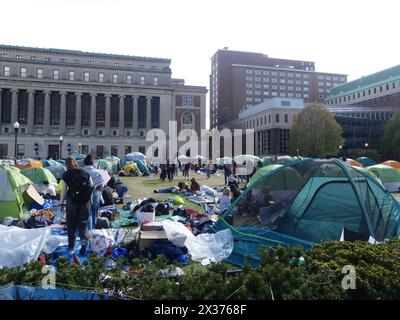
x=391 y=139
x=315 y=132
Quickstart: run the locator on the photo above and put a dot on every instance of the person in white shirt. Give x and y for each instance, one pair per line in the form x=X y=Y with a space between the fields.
x=49 y=190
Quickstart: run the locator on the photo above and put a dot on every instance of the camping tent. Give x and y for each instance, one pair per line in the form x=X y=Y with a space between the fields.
x=142 y=166
x=13 y=199
x=392 y=163
x=319 y=208
x=354 y=163
x=284 y=159
x=282 y=180
x=133 y=156
x=104 y=164
x=77 y=155
x=61 y=161
x=128 y=168
x=183 y=159
x=366 y=162
x=50 y=163
x=39 y=175
x=116 y=163
x=27 y=163
x=241 y=159
x=266 y=161
x=389 y=176
x=57 y=171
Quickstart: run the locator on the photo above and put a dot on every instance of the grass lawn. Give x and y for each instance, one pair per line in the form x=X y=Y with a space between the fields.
x=140 y=187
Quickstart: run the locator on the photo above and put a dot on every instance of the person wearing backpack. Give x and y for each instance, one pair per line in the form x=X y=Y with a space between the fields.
x=98 y=184
x=77 y=186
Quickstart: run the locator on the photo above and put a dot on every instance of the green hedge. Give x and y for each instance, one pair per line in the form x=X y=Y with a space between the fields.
x=281 y=275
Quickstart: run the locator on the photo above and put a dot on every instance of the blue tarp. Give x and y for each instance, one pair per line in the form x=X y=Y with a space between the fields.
x=12 y=292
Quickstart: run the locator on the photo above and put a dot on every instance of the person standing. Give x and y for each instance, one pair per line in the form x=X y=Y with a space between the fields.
x=227 y=173
x=98 y=184
x=77 y=186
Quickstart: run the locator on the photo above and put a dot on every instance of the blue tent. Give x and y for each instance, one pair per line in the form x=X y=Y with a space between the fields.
x=324 y=198
x=366 y=162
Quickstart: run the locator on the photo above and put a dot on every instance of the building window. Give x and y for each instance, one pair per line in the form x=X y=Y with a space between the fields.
x=55 y=103
x=70 y=109
x=86 y=76
x=129 y=79
x=114 y=151
x=249 y=78
x=153 y=68
x=257 y=72
x=265 y=73
x=286 y=118
x=20 y=150
x=19 y=57
x=101 y=77
x=142 y=149
x=277 y=117
x=38 y=108
x=142 y=79
x=33 y=58
x=71 y=75
x=116 y=64
x=77 y=61
x=274 y=80
x=141 y=66
x=39 y=73
x=114 y=133
x=249 y=71
x=3 y=150
x=130 y=66
x=62 y=60
x=55 y=74
x=23 y=72
x=249 y=99
x=3 y=55
x=90 y=62
x=258 y=79
x=6 y=71
x=342 y=78
x=100 y=110
x=155 y=81
x=187 y=101
x=298 y=75
x=115 y=78
x=128 y=112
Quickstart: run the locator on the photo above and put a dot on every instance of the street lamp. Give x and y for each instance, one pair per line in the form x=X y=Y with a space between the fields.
x=340 y=150
x=61 y=141
x=366 y=148
x=37 y=150
x=16 y=127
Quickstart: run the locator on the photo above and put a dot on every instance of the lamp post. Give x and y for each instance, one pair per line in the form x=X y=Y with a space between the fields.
x=16 y=127
x=61 y=141
x=37 y=150
x=69 y=148
x=366 y=148
x=340 y=151
x=79 y=147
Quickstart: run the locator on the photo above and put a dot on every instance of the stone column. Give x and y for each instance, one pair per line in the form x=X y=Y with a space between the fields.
x=78 y=116
x=31 y=111
x=14 y=105
x=121 y=116
x=135 y=115
x=93 y=115
x=148 y=113
x=1 y=120
x=107 y=120
x=63 y=113
x=46 y=118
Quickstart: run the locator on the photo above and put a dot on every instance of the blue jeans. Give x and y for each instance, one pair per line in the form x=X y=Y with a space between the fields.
x=94 y=208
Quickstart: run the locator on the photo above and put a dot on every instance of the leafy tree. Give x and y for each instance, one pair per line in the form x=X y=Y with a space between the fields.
x=315 y=132
x=391 y=139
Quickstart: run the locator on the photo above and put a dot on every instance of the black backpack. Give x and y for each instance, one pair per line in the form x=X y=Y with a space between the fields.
x=80 y=188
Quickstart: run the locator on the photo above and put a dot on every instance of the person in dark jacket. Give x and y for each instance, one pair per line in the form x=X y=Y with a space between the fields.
x=194 y=186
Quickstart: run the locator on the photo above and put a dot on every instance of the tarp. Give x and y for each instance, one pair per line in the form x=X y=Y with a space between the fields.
x=12 y=292
x=19 y=246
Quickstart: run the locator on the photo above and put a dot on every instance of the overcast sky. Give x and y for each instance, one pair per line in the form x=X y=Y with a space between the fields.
x=354 y=37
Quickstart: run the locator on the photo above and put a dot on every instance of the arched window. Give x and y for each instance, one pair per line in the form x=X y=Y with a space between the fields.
x=187 y=120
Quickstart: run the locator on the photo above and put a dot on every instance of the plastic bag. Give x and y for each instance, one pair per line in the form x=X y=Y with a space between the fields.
x=178 y=201
x=210 y=247
x=176 y=232
x=101 y=240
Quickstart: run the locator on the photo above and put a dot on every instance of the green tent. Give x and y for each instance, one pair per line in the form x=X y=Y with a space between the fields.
x=104 y=164
x=13 y=200
x=284 y=179
x=50 y=163
x=388 y=175
x=38 y=175
x=116 y=163
x=330 y=197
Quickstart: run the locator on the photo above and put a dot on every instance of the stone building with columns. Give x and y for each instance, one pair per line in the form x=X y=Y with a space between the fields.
x=100 y=103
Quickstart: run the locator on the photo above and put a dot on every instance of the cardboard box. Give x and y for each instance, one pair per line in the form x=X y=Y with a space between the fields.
x=152 y=226
x=147 y=237
x=145 y=217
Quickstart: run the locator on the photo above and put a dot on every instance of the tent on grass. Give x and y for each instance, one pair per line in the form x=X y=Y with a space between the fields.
x=265 y=161
x=104 y=164
x=116 y=163
x=388 y=175
x=392 y=163
x=57 y=171
x=13 y=198
x=142 y=166
x=131 y=167
x=77 y=155
x=50 y=163
x=354 y=163
x=318 y=208
x=27 y=163
x=39 y=175
x=133 y=156
x=366 y=162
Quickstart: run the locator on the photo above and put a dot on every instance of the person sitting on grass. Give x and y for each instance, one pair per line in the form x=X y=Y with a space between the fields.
x=49 y=191
x=194 y=186
x=183 y=187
